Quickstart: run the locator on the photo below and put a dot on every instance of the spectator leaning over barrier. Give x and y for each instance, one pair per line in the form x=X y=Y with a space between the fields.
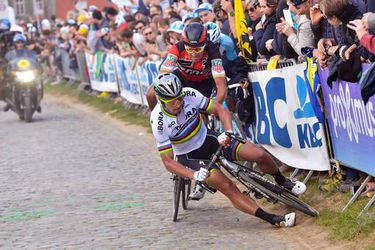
x=205 y=13
x=303 y=36
x=265 y=29
x=339 y=13
x=279 y=44
x=93 y=35
x=255 y=14
x=361 y=28
x=319 y=25
x=110 y=17
x=125 y=44
x=174 y=33
x=154 y=45
x=131 y=43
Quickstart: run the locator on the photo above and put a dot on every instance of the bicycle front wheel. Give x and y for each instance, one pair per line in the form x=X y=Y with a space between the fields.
x=176 y=196
x=186 y=189
x=252 y=178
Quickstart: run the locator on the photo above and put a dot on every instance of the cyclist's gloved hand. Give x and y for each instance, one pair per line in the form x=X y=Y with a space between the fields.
x=223 y=139
x=201 y=175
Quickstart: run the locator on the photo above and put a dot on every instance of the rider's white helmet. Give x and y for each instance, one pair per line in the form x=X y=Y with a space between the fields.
x=167 y=86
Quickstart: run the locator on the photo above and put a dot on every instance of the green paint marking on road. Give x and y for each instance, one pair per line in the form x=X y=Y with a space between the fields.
x=117 y=206
x=23 y=216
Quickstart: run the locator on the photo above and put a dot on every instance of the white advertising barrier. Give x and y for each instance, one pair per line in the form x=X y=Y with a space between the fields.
x=146 y=75
x=128 y=80
x=286 y=124
x=102 y=72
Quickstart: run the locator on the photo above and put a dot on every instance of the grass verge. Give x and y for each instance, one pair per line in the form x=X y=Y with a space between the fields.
x=103 y=104
x=343 y=225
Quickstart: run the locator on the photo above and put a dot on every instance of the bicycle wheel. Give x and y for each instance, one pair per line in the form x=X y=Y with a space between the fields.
x=186 y=189
x=176 y=196
x=249 y=177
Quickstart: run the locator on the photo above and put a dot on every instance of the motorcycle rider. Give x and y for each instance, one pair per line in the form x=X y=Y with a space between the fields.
x=19 y=42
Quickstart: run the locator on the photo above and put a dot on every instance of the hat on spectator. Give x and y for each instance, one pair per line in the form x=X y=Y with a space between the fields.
x=16 y=28
x=111 y=11
x=203 y=7
x=81 y=18
x=189 y=16
x=122 y=26
x=45 y=24
x=298 y=2
x=177 y=27
x=64 y=30
x=71 y=22
x=83 y=29
x=92 y=8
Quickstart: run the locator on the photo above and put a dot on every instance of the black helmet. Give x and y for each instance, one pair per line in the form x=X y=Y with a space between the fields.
x=195 y=35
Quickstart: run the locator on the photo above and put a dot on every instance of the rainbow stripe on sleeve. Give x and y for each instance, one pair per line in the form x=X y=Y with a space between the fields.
x=207 y=104
x=165 y=149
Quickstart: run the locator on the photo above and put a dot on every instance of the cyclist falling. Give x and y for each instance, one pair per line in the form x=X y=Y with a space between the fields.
x=179 y=130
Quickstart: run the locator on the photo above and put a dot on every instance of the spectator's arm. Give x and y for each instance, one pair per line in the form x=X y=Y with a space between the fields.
x=228 y=8
x=368 y=41
x=261 y=36
x=304 y=38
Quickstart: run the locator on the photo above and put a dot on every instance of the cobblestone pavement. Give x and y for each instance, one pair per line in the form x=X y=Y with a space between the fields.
x=68 y=180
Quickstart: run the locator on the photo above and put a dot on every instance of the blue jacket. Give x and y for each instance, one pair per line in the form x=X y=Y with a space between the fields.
x=261 y=36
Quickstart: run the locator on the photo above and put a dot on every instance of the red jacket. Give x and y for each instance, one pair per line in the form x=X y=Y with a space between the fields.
x=368 y=41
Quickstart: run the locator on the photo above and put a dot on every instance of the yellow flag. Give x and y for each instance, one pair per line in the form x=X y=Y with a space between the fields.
x=241 y=30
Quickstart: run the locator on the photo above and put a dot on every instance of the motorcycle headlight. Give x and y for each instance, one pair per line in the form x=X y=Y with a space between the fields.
x=25 y=76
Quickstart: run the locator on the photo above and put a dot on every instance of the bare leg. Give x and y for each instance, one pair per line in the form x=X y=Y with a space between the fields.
x=251 y=152
x=239 y=200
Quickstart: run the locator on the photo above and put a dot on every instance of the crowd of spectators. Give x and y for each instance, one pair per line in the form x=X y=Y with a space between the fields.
x=338 y=32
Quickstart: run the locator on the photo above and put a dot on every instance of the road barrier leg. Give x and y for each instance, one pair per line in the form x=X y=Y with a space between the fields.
x=368 y=205
x=308 y=176
x=359 y=191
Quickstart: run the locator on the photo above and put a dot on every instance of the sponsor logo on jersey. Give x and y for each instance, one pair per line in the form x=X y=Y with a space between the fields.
x=170 y=61
x=160 y=121
x=217 y=66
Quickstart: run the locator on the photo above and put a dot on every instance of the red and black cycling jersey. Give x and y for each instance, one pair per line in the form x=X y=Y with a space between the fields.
x=209 y=66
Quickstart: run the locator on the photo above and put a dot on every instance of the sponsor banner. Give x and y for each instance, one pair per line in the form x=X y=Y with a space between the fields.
x=128 y=80
x=101 y=68
x=286 y=124
x=146 y=75
x=351 y=123
x=82 y=66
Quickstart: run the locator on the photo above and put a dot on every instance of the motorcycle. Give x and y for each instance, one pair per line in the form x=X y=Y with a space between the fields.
x=25 y=89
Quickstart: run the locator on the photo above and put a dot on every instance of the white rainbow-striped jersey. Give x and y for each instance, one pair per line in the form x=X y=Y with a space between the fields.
x=186 y=131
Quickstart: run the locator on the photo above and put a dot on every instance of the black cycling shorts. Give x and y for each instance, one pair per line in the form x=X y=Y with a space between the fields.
x=201 y=156
x=206 y=87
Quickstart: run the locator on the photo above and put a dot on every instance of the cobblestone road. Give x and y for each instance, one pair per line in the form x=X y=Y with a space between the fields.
x=72 y=180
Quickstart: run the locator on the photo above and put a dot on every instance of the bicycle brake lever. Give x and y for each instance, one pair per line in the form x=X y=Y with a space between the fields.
x=233 y=136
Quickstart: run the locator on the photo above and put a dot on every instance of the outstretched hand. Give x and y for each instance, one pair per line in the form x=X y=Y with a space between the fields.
x=358 y=27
